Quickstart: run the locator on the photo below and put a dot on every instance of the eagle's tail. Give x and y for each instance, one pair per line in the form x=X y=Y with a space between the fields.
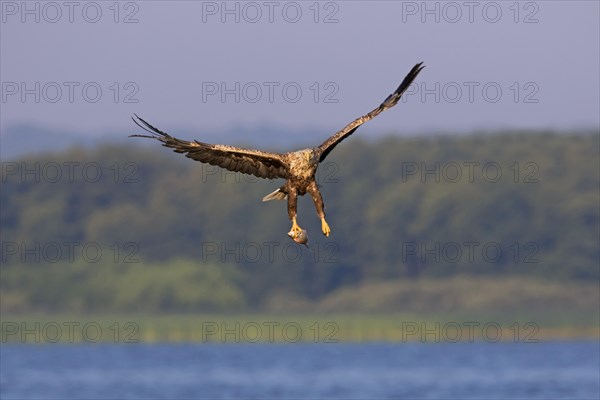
x=276 y=195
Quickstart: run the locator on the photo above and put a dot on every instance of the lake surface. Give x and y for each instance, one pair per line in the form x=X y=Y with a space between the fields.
x=545 y=370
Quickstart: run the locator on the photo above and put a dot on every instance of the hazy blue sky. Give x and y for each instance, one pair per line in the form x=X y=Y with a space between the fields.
x=296 y=64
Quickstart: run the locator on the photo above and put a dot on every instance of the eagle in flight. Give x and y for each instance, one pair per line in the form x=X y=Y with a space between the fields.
x=298 y=168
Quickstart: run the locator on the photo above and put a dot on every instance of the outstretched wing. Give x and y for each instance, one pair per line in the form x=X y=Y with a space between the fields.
x=253 y=162
x=389 y=102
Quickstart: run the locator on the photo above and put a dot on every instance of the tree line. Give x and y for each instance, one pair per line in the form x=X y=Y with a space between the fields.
x=177 y=233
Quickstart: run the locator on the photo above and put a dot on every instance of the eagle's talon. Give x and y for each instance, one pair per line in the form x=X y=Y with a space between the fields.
x=298 y=234
x=296 y=230
x=293 y=233
x=325 y=228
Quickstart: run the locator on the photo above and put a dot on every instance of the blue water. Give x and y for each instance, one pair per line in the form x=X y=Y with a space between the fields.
x=546 y=370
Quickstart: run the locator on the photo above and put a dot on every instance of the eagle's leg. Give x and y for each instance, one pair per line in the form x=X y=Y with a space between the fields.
x=292 y=206
x=314 y=192
x=295 y=226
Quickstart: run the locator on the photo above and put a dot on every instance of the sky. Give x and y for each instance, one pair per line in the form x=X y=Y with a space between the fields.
x=88 y=66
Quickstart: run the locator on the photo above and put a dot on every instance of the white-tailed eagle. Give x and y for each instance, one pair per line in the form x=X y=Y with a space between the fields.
x=298 y=168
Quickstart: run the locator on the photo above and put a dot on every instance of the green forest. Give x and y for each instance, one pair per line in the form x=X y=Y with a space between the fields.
x=130 y=227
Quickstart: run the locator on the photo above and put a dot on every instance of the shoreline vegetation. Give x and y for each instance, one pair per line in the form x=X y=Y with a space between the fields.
x=277 y=328
x=462 y=309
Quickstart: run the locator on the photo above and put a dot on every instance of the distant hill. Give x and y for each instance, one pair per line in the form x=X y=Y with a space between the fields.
x=21 y=140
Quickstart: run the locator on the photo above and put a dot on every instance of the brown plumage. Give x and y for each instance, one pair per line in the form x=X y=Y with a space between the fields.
x=298 y=167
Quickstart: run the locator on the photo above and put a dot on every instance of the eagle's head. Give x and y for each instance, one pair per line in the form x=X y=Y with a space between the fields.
x=310 y=156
